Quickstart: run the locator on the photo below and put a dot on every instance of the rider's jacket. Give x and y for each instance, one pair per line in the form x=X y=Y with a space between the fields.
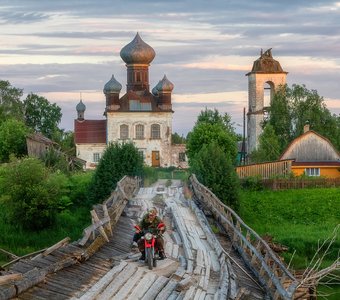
x=146 y=223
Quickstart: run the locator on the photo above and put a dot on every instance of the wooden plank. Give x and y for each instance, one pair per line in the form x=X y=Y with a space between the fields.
x=129 y=285
x=4 y=279
x=190 y=293
x=96 y=289
x=139 y=291
x=116 y=284
x=52 y=248
x=157 y=286
x=167 y=290
x=175 y=250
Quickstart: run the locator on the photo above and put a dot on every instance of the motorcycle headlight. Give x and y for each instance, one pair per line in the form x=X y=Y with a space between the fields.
x=148 y=236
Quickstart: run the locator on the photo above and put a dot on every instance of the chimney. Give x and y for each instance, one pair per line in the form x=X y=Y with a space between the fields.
x=306 y=127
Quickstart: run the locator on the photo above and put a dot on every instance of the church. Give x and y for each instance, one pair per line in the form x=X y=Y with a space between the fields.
x=140 y=116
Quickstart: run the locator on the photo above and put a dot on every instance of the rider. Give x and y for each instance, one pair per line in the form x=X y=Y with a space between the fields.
x=150 y=221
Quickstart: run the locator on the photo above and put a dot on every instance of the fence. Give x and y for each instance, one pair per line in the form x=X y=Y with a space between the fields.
x=300 y=183
x=265 y=170
x=267 y=267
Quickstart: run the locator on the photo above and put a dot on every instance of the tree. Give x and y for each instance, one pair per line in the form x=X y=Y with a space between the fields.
x=215 y=170
x=41 y=115
x=269 y=146
x=32 y=193
x=117 y=161
x=12 y=139
x=291 y=108
x=177 y=139
x=10 y=103
x=205 y=133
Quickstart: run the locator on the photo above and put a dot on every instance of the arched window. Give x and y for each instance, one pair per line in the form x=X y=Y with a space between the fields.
x=155 y=131
x=124 y=132
x=139 y=132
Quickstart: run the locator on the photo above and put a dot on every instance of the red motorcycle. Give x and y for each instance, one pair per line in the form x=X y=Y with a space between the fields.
x=149 y=238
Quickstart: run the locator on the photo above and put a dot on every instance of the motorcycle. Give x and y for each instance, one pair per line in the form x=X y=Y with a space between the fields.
x=149 y=238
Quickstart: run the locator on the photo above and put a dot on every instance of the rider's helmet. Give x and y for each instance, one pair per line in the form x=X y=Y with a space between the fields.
x=153 y=211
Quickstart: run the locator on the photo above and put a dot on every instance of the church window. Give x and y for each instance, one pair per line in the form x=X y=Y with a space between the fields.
x=155 y=131
x=138 y=77
x=96 y=157
x=136 y=105
x=139 y=132
x=141 y=153
x=181 y=156
x=124 y=132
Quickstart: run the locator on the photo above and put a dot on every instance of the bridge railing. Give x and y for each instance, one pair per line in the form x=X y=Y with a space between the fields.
x=259 y=257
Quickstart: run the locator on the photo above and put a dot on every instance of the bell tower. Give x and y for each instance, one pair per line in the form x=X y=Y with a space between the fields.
x=265 y=77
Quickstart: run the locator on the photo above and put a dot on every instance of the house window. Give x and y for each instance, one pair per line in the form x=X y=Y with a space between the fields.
x=96 y=157
x=181 y=156
x=155 y=131
x=124 y=132
x=139 y=132
x=312 y=171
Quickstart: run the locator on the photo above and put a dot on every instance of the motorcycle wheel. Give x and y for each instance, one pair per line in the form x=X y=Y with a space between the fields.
x=154 y=262
x=149 y=258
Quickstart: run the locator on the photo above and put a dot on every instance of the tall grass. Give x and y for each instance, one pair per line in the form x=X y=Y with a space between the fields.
x=151 y=175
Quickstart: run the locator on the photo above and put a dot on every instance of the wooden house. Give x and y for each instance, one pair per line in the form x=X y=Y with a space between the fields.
x=38 y=144
x=310 y=154
x=313 y=155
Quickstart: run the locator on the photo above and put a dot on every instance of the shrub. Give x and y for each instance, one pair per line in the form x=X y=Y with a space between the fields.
x=32 y=193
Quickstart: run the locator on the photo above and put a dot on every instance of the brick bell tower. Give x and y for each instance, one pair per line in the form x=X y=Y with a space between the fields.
x=266 y=74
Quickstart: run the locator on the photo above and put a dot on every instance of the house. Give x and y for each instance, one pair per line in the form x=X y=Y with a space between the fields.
x=140 y=115
x=313 y=155
x=38 y=145
x=310 y=154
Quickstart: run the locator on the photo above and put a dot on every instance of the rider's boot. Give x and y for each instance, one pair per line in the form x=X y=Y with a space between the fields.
x=162 y=255
x=143 y=256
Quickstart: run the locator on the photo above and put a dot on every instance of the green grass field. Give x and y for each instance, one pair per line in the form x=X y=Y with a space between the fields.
x=300 y=219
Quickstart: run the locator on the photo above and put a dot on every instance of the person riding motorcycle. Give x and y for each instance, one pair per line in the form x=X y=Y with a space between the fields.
x=150 y=221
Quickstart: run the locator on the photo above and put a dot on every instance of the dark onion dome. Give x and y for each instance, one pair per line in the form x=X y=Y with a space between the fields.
x=267 y=64
x=137 y=52
x=112 y=86
x=155 y=89
x=165 y=85
x=80 y=106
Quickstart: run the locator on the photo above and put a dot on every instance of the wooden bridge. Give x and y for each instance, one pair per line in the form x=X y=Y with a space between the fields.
x=234 y=263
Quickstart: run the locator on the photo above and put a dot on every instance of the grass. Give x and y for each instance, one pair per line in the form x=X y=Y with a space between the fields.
x=20 y=242
x=300 y=219
x=151 y=175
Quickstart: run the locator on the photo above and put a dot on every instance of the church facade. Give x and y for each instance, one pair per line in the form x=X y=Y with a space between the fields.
x=140 y=115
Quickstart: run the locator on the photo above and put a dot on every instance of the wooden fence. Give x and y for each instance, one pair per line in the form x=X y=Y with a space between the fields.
x=259 y=257
x=265 y=170
x=300 y=183
x=104 y=218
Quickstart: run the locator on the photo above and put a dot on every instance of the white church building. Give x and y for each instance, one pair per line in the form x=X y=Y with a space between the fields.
x=140 y=116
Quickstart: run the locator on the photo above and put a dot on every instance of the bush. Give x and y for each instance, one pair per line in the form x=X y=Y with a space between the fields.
x=214 y=170
x=252 y=184
x=31 y=193
x=118 y=160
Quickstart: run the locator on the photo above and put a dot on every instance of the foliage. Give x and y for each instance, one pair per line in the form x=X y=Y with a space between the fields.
x=118 y=160
x=78 y=187
x=10 y=103
x=206 y=133
x=215 y=170
x=41 y=115
x=269 y=146
x=32 y=193
x=299 y=219
x=56 y=160
x=12 y=139
x=65 y=140
x=177 y=139
x=291 y=108
x=252 y=183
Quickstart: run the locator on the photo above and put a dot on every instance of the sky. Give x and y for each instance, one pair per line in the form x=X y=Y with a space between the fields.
x=64 y=49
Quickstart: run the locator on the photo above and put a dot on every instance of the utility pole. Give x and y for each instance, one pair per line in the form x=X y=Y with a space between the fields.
x=243 y=149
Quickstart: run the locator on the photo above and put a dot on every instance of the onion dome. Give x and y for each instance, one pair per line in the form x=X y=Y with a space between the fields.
x=112 y=86
x=80 y=107
x=165 y=85
x=155 y=89
x=137 y=52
